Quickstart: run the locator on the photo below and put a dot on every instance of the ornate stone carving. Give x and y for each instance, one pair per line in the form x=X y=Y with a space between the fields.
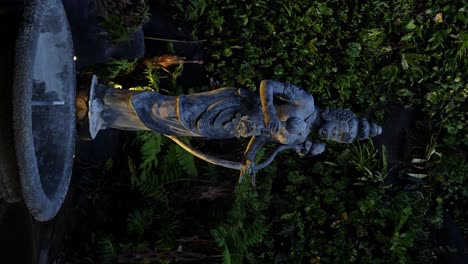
x=282 y=113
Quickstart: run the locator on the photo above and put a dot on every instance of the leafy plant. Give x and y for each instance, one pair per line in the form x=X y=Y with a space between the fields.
x=122 y=18
x=107 y=253
x=341 y=207
x=245 y=225
x=339 y=219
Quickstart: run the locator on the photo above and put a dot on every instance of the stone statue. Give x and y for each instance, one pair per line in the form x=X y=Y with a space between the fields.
x=282 y=113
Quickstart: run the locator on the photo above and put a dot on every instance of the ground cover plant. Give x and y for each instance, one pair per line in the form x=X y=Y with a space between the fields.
x=341 y=207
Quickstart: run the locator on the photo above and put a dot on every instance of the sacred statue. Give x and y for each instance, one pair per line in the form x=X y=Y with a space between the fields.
x=282 y=113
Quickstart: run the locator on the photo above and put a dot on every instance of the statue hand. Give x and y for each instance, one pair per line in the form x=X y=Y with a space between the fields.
x=313 y=148
x=304 y=148
x=247 y=169
x=272 y=122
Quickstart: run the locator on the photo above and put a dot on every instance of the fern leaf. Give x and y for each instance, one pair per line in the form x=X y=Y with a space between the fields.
x=218 y=235
x=195 y=9
x=171 y=170
x=151 y=188
x=139 y=221
x=150 y=149
x=226 y=255
x=106 y=251
x=187 y=162
x=152 y=77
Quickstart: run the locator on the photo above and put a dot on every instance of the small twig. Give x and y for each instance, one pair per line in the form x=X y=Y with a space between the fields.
x=166 y=70
x=175 y=40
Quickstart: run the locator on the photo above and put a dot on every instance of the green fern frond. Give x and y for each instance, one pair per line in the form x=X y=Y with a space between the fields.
x=139 y=221
x=193 y=9
x=103 y=210
x=218 y=235
x=171 y=170
x=151 y=189
x=227 y=255
x=245 y=225
x=106 y=251
x=115 y=68
x=150 y=148
x=169 y=221
x=186 y=161
x=152 y=77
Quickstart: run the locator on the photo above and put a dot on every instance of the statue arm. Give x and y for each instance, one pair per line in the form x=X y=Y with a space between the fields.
x=216 y=161
x=298 y=100
x=285 y=91
x=248 y=166
x=253 y=147
x=267 y=90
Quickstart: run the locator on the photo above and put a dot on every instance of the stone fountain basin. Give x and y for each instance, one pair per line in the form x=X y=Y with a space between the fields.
x=44 y=107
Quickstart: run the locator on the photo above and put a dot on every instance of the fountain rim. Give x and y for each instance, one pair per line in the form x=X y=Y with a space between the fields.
x=42 y=206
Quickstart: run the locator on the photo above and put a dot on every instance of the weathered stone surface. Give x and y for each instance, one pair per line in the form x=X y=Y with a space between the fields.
x=44 y=107
x=282 y=114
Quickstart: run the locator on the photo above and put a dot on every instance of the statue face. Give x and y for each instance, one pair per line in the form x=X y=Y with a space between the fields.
x=335 y=130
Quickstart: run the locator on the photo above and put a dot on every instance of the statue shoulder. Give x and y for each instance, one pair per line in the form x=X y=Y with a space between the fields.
x=245 y=93
x=296 y=93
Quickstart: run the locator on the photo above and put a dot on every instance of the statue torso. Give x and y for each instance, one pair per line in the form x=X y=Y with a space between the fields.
x=217 y=114
x=221 y=113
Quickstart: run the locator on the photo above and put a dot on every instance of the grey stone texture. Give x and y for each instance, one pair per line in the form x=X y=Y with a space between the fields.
x=44 y=107
x=281 y=113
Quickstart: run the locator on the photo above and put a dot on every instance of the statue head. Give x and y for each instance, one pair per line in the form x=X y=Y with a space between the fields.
x=340 y=125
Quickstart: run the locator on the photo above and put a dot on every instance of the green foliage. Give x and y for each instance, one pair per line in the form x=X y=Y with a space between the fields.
x=337 y=218
x=363 y=156
x=245 y=225
x=159 y=165
x=340 y=209
x=192 y=9
x=139 y=221
x=106 y=251
x=152 y=77
x=186 y=160
x=348 y=53
x=450 y=177
x=153 y=211
x=114 y=68
x=123 y=18
x=150 y=148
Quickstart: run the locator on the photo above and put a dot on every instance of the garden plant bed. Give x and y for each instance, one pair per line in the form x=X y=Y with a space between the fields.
x=136 y=197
